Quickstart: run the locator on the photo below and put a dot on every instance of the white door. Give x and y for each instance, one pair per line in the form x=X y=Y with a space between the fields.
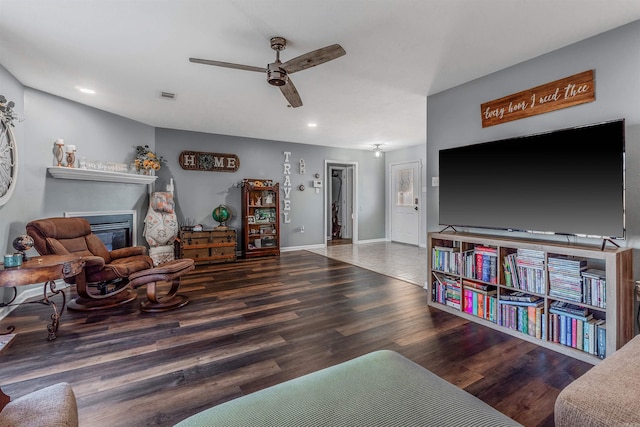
x=405 y=203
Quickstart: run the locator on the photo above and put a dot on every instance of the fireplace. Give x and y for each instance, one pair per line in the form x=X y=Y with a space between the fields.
x=116 y=229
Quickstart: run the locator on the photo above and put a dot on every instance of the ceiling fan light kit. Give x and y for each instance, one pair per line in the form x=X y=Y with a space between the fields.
x=278 y=72
x=276 y=76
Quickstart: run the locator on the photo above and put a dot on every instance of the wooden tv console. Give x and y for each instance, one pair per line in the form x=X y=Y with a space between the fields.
x=616 y=317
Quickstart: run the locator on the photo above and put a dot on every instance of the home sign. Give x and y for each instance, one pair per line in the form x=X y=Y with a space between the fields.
x=213 y=162
x=573 y=90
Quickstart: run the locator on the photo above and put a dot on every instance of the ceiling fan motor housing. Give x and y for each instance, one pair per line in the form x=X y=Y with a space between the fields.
x=276 y=76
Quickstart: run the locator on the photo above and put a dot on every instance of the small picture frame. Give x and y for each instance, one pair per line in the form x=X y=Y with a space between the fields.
x=251 y=219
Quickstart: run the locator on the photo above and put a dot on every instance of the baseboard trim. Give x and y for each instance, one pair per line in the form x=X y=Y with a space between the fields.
x=302 y=248
x=359 y=242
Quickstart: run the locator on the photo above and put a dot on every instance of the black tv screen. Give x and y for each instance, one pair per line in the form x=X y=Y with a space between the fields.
x=569 y=181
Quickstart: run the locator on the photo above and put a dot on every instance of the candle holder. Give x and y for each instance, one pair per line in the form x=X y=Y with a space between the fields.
x=59 y=153
x=71 y=159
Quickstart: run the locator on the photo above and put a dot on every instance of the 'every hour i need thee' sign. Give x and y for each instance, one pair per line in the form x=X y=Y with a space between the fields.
x=573 y=90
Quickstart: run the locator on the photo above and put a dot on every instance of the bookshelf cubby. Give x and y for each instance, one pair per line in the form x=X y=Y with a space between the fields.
x=561 y=296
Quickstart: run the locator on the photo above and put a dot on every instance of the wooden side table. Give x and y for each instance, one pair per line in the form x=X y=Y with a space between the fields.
x=45 y=269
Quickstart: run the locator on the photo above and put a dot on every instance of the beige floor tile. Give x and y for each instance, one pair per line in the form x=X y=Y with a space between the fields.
x=404 y=262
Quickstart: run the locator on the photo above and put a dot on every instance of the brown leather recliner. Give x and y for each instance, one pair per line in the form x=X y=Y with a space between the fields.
x=107 y=271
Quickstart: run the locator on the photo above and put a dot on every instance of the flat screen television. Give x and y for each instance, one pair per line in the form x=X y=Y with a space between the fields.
x=569 y=181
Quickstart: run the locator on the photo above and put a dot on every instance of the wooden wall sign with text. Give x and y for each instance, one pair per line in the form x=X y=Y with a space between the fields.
x=213 y=162
x=564 y=93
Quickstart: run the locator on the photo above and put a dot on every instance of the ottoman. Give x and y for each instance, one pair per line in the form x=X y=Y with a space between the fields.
x=382 y=388
x=169 y=272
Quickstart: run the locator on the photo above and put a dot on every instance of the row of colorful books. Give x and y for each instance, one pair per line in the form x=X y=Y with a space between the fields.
x=568 y=324
x=480 y=300
x=481 y=263
x=525 y=270
x=446 y=259
x=594 y=288
x=446 y=290
x=588 y=335
x=526 y=317
x=569 y=278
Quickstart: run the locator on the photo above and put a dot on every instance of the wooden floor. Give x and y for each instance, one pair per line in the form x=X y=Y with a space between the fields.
x=256 y=323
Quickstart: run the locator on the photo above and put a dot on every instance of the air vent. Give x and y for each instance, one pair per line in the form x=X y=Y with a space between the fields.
x=168 y=96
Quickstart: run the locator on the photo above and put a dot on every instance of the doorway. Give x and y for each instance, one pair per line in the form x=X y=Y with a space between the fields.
x=405 y=202
x=340 y=201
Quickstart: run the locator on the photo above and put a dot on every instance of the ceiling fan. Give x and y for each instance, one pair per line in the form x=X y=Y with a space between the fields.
x=278 y=72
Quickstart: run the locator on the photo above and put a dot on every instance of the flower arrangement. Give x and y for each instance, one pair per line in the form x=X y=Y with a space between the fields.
x=6 y=110
x=147 y=159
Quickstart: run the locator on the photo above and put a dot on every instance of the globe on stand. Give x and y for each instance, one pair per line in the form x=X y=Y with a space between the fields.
x=22 y=244
x=221 y=214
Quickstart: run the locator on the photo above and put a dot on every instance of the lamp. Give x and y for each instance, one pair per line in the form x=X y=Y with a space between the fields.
x=377 y=152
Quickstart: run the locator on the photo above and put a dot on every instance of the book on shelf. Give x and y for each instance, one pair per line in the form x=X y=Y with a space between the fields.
x=594 y=273
x=535 y=303
x=571 y=315
x=479 y=287
x=601 y=331
x=518 y=296
x=566 y=307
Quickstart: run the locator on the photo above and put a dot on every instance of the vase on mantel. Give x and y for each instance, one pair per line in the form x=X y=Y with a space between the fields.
x=149 y=172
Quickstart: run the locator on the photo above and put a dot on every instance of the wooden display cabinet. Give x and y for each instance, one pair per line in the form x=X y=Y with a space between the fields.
x=207 y=246
x=260 y=217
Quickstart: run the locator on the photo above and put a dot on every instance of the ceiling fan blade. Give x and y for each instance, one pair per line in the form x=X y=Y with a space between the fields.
x=228 y=65
x=291 y=93
x=313 y=58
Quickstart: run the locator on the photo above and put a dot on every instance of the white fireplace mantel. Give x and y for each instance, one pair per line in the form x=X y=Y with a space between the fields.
x=98 y=175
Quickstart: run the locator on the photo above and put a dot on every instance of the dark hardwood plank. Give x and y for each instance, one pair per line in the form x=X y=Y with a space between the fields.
x=256 y=323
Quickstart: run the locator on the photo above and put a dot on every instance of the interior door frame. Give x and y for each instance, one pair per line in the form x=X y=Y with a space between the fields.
x=327 y=197
x=391 y=201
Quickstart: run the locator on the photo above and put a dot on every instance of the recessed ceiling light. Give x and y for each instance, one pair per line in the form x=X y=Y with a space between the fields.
x=312 y=125
x=86 y=90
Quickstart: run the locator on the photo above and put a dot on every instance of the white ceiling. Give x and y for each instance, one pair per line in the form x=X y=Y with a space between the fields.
x=398 y=52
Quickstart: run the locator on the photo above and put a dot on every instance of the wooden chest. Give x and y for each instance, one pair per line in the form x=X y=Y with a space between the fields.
x=208 y=246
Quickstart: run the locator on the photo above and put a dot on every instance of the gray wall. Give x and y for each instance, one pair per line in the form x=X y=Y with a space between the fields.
x=453 y=116
x=198 y=192
x=97 y=135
